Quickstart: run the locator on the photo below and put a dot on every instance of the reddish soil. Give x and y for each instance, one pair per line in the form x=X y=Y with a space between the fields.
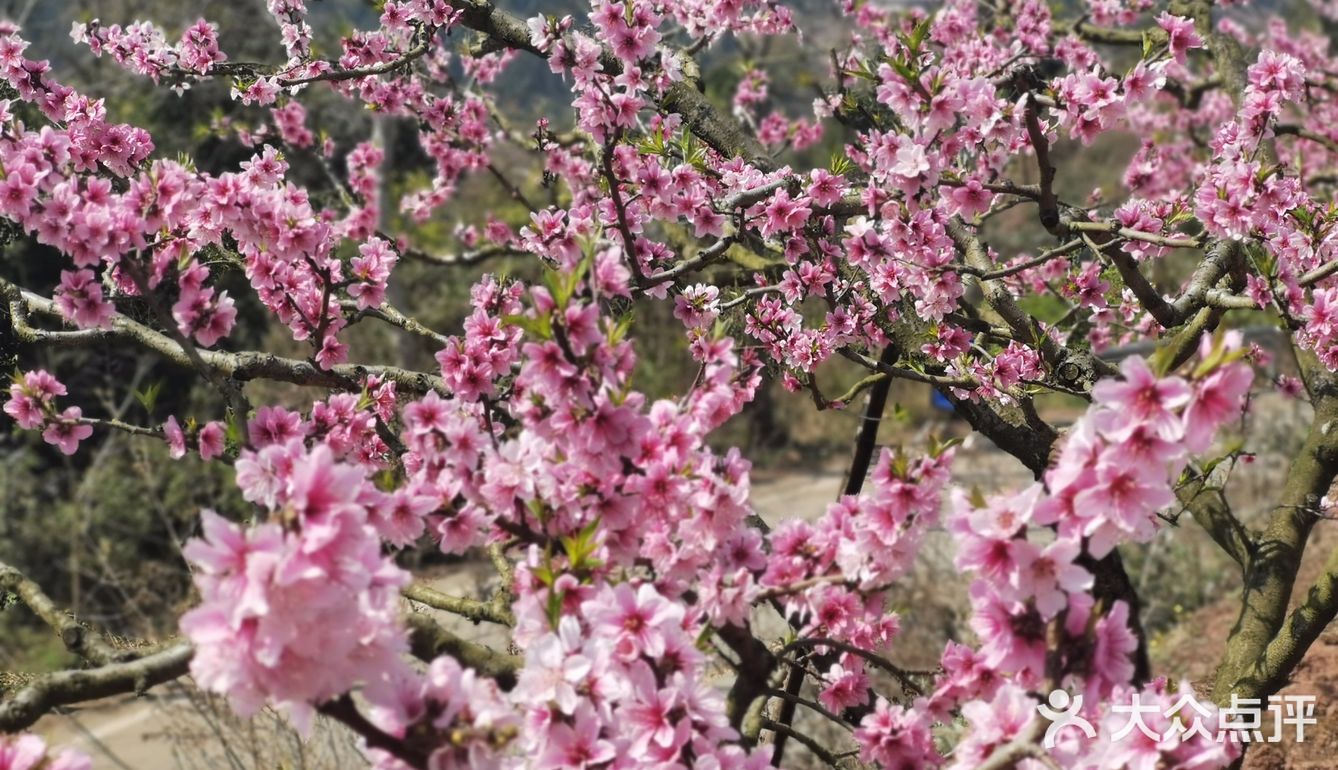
x=1193 y=648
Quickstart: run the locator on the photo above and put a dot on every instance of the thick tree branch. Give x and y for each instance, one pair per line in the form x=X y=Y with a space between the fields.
x=429 y=641
x=66 y=687
x=1046 y=202
x=469 y=609
x=1271 y=669
x=77 y=638
x=463 y=258
x=751 y=681
x=345 y=711
x=1271 y=574
x=867 y=439
x=1025 y=328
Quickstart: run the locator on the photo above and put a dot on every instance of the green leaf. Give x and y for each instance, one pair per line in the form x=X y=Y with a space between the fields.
x=704 y=638
x=841 y=164
x=1218 y=356
x=917 y=36
x=148 y=398
x=581 y=546
x=544 y=573
x=904 y=70
x=901 y=463
x=575 y=277
x=977 y=498
x=555 y=607
x=936 y=449
x=619 y=329
x=539 y=510
x=541 y=327
x=1164 y=355
x=235 y=431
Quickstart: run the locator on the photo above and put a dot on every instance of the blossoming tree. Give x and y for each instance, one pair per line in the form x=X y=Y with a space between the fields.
x=633 y=568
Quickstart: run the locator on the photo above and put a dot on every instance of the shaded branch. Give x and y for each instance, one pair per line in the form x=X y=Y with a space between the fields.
x=906 y=374
x=1025 y=328
x=345 y=711
x=389 y=314
x=784 y=730
x=1289 y=129
x=1318 y=274
x=1045 y=201
x=620 y=212
x=903 y=677
x=1039 y=259
x=756 y=663
x=429 y=641
x=1130 y=233
x=867 y=440
x=463 y=258
x=704 y=257
x=1210 y=510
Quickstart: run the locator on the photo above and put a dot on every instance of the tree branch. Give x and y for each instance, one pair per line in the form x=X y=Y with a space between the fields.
x=469 y=609
x=345 y=711
x=1270 y=671
x=74 y=635
x=723 y=134
x=240 y=366
x=65 y=687
x=784 y=730
x=1271 y=574
x=429 y=641
x=1210 y=511
x=337 y=75
x=1046 y=202
x=756 y=663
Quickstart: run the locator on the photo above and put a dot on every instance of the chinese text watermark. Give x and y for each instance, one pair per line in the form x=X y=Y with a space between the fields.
x=1244 y=720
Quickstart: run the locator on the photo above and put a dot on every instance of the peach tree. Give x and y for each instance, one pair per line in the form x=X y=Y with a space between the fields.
x=632 y=566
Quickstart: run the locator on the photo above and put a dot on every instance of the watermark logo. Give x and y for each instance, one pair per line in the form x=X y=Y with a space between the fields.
x=1063 y=711
x=1243 y=720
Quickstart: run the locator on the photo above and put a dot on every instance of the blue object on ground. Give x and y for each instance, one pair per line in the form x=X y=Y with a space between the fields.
x=941 y=402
